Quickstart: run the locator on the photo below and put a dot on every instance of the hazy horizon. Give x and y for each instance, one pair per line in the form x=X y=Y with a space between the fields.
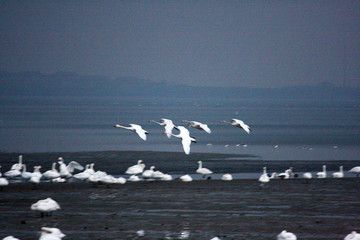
x=201 y=43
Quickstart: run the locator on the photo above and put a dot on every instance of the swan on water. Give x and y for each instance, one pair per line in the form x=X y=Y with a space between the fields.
x=166 y=177
x=264 y=178
x=47 y=205
x=12 y=173
x=136 y=169
x=185 y=137
x=355 y=170
x=148 y=172
x=18 y=166
x=352 y=236
x=323 y=173
x=238 y=123
x=186 y=178
x=198 y=125
x=339 y=174
x=24 y=174
x=307 y=175
x=168 y=125
x=52 y=173
x=203 y=171
x=51 y=234
x=227 y=177
x=134 y=178
x=10 y=238
x=3 y=182
x=285 y=235
x=135 y=128
x=285 y=175
x=67 y=170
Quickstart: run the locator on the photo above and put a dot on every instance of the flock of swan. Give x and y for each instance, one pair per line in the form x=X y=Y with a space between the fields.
x=184 y=134
x=136 y=173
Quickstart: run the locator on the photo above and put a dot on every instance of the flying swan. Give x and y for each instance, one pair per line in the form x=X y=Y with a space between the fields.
x=185 y=137
x=135 y=128
x=168 y=125
x=198 y=125
x=238 y=123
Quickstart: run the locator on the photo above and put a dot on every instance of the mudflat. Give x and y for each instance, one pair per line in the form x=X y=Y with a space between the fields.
x=239 y=209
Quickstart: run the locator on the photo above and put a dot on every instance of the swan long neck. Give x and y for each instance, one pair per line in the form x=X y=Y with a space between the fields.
x=53 y=166
x=223 y=121
x=341 y=169
x=20 y=159
x=24 y=167
x=120 y=126
x=324 y=168
x=200 y=164
x=264 y=170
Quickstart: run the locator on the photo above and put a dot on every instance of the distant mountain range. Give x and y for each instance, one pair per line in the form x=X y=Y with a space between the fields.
x=72 y=84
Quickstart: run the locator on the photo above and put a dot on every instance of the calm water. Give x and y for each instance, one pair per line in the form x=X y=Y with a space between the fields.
x=309 y=130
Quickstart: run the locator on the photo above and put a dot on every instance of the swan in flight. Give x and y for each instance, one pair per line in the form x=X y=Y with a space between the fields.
x=67 y=170
x=47 y=205
x=227 y=177
x=185 y=137
x=203 y=171
x=51 y=234
x=284 y=235
x=352 y=236
x=264 y=178
x=168 y=125
x=323 y=173
x=355 y=170
x=198 y=125
x=135 y=128
x=53 y=173
x=136 y=169
x=339 y=174
x=238 y=123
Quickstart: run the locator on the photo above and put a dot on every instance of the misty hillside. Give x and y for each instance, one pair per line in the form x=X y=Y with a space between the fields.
x=72 y=84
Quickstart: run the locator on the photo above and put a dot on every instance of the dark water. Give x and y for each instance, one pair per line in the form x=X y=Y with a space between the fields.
x=308 y=130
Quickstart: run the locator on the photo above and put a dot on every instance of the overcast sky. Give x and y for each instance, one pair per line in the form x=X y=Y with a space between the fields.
x=217 y=43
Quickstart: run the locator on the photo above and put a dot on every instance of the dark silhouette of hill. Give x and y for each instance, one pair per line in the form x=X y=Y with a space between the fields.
x=72 y=84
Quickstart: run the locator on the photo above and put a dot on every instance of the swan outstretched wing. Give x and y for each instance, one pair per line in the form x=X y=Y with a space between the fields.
x=74 y=165
x=168 y=129
x=186 y=145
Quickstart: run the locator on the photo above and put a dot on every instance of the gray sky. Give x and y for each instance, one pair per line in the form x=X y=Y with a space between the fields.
x=217 y=43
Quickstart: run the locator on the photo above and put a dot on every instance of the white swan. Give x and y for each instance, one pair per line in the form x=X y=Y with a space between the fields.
x=134 y=178
x=45 y=206
x=339 y=174
x=12 y=173
x=51 y=234
x=274 y=175
x=18 y=166
x=135 y=128
x=136 y=169
x=3 y=182
x=284 y=235
x=89 y=170
x=97 y=176
x=166 y=177
x=203 y=171
x=120 y=180
x=238 y=123
x=323 y=173
x=355 y=170
x=186 y=178
x=67 y=170
x=36 y=175
x=185 y=137
x=227 y=177
x=10 y=238
x=24 y=174
x=285 y=175
x=168 y=125
x=352 y=236
x=157 y=174
x=148 y=173
x=53 y=173
x=307 y=175
x=264 y=178
x=198 y=125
